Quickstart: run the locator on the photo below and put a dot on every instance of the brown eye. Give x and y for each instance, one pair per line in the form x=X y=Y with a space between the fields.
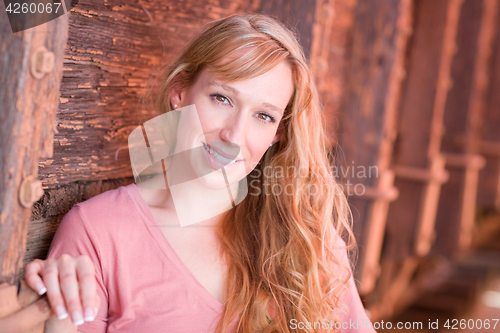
x=221 y=99
x=265 y=118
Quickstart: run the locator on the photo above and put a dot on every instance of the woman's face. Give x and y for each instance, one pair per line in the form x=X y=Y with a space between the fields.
x=244 y=114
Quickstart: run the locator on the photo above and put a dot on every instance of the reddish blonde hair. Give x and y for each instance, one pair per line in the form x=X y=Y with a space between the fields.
x=282 y=250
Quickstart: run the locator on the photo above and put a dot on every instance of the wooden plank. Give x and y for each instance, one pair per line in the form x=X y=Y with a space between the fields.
x=29 y=105
x=488 y=196
x=421 y=116
x=416 y=159
x=331 y=41
x=463 y=118
x=30 y=77
x=371 y=89
x=299 y=15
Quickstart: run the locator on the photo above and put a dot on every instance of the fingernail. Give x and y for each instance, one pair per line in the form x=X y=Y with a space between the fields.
x=61 y=312
x=41 y=288
x=89 y=314
x=77 y=318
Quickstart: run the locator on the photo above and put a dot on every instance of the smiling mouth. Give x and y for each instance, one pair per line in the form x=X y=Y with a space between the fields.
x=218 y=157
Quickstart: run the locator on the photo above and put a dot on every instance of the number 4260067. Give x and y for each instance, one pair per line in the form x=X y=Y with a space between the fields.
x=18 y=8
x=455 y=324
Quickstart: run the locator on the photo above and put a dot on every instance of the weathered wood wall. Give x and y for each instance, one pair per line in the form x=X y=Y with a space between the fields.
x=297 y=14
x=416 y=159
x=30 y=77
x=373 y=75
x=330 y=56
x=489 y=146
x=415 y=96
x=29 y=84
x=465 y=115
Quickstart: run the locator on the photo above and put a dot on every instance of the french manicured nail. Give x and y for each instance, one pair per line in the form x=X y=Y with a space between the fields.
x=41 y=288
x=90 y=314
x=77 y=318
x=61 y=312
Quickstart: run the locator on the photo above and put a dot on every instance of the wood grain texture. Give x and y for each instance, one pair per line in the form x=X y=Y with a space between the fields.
x=372 y=58
x=369 y=98
x=456 y=119
x=464 y=114
x=29 y=109
x=462 y=74
x=329 y=55
x=420 y=122
x=297 y=15
x=489 y=178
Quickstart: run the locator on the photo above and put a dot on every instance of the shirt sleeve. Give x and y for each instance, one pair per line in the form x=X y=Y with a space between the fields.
x=76 y=237
x=355 y=318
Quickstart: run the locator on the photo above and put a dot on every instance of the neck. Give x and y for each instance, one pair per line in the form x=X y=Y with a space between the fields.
x=192 y=205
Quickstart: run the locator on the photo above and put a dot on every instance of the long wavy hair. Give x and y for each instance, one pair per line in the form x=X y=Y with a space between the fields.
x=282 y=243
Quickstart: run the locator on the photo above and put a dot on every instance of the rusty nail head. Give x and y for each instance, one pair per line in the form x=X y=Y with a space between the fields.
x=30 y=191
x=42 y=62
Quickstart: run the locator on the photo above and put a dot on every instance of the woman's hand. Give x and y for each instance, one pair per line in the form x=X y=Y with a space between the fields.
x=70 y=285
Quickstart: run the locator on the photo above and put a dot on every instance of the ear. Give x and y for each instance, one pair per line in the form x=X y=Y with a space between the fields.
x=177 y=94
x=280 y=129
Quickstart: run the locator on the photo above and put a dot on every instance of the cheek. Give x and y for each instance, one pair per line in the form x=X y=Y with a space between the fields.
x=258 y=149
x=208 y=118
x=262 y=135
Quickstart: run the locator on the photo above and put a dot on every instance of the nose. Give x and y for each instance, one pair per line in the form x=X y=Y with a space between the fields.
x=235 y=128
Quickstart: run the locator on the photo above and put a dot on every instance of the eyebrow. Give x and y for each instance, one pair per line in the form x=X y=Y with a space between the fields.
x=225 y=86
x=236 y=92
x=273 y=107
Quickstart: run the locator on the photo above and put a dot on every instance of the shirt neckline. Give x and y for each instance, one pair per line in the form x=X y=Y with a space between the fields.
x=170 y=253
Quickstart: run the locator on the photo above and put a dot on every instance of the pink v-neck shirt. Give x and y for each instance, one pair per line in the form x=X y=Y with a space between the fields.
x=142 y=283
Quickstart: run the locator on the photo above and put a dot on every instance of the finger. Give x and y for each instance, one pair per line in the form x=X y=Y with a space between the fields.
x=97 y=303
x=50 y=275
x=32 y=276
x=69 y=288
x=86 y=277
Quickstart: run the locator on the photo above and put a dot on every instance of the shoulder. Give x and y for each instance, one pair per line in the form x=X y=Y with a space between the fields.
x=120 y=195
x=122 y=201
x=340 y=246
x=113 y=208
x=99 y=220
x=341 y=261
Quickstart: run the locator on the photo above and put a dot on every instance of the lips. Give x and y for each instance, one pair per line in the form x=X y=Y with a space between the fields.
x=219 y=158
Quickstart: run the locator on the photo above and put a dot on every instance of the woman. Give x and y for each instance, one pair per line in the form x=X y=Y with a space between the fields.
x=271 y=262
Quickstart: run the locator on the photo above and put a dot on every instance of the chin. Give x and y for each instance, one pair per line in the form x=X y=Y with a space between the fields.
x=213 y=181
